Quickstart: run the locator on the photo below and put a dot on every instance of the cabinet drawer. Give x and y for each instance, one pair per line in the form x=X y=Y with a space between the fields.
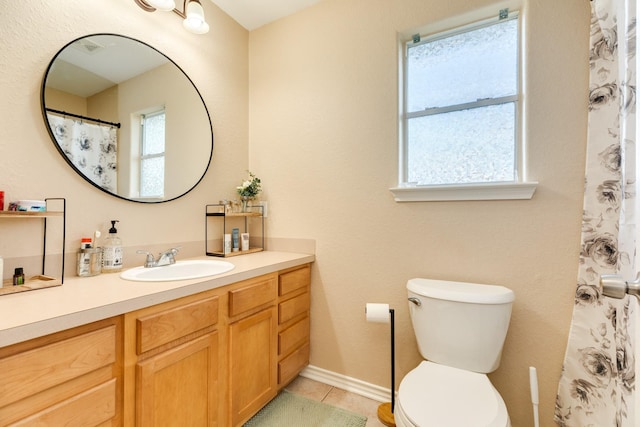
x=293 y=336
x=293 y=307
x=291 y=365
x=256 y=294
x=161 y=328
x=91 y=408
x=33 y=371
x=293 y=280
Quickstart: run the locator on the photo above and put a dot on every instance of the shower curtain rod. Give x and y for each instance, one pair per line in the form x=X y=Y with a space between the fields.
x=64 y=113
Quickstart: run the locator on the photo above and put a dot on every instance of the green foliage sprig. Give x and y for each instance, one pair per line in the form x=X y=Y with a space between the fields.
x=251 y=187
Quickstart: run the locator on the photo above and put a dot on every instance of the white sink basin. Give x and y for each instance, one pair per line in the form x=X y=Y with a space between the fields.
x=181 y=270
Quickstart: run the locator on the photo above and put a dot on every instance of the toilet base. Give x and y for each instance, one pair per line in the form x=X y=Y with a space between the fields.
x=385 y=415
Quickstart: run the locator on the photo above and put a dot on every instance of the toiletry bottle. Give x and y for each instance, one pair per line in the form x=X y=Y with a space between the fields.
x=85 y=243
x=235 y=238
x=18 y=276
x=84 y=258
x=227 y=243
x=112 y=251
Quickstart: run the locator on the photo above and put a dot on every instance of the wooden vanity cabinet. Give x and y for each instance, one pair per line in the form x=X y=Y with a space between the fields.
x=210 y=359
x=73 y=377
x=172 y=366
x=252 y=346
x=293 y=322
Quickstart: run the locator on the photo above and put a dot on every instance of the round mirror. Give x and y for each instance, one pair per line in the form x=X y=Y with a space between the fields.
x=127 y=118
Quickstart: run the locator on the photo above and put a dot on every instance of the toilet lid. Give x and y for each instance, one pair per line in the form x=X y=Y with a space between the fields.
x=437 y=395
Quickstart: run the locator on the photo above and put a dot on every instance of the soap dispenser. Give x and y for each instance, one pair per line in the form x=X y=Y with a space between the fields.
x=112 y=251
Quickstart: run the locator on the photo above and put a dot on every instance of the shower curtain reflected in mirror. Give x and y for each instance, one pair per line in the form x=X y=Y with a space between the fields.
x=597 y=386
x=90 y=148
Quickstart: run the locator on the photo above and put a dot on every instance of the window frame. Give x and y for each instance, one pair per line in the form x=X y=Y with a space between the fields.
x=519 y=188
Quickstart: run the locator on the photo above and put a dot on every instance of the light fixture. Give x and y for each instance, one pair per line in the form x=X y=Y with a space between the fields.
x=163 y=5
x=194 y=21
x=192 y=12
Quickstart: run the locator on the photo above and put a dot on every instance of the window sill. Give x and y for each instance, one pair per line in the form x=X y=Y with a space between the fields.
x=494 y=191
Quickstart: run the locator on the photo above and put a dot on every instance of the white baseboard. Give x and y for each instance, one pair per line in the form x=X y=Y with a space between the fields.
x=344 y=382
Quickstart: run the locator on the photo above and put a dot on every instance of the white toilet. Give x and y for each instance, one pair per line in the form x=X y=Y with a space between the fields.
x=460 y=329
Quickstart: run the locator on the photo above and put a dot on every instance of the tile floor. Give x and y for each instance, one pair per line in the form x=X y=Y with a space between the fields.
x=337 y=397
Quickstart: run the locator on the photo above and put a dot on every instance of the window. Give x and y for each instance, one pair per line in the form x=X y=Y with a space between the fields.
x=461 y=110
x=152 y=149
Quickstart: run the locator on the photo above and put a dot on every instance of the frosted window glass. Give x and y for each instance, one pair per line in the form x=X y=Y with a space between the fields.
x=152 y=177
x=462 y=147
x=461 y=114
x=477 y=64
x=153 y=134
x=153 y=151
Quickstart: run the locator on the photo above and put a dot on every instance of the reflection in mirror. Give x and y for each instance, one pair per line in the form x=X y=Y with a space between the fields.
x=127 y=118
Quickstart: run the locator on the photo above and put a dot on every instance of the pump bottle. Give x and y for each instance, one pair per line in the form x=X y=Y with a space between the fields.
x=112 y=251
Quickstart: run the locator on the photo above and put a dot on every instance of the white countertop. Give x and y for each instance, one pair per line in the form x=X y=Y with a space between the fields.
x=82 y=300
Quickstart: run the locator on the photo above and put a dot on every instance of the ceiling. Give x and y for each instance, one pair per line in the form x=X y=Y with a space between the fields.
x=252 y=14
x=91 y=67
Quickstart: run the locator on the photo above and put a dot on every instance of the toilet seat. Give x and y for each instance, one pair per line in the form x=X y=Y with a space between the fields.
x=437 y=395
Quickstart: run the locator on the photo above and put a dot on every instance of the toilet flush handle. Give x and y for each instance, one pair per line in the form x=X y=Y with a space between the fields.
x=416 y=301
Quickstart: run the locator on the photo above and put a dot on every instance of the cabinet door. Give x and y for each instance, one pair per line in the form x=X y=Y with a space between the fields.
x=252 y=361
x=179 y=387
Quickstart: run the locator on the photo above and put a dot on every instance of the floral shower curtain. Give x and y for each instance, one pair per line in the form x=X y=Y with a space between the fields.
x=597 y=387
x=91 y=148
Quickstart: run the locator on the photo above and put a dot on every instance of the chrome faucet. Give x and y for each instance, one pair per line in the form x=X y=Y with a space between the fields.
x=167 y=257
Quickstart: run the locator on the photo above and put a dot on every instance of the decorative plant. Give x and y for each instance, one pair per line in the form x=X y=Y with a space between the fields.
x=250 y=188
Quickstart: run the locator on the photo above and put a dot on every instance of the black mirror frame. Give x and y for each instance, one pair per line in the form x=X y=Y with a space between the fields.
x=53 y=138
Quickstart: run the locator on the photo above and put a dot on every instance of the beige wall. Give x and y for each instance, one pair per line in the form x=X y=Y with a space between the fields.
x=320 y=112
x=102 y=105
x=323 y=87
x=64 y=101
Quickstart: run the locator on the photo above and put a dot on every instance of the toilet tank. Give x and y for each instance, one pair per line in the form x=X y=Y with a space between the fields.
x=462 y=325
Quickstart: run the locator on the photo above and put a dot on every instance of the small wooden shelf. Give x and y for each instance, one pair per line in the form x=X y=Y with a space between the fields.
x=217 y=211
x=41 y=281
x=222 y=254
x=235 y=214
x=31 y=284
x=23 y=214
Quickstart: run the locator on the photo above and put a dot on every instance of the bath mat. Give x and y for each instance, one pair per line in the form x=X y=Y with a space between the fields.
x=292 y=410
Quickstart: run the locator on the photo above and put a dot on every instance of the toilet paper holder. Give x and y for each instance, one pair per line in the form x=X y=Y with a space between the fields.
x=386 y=410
